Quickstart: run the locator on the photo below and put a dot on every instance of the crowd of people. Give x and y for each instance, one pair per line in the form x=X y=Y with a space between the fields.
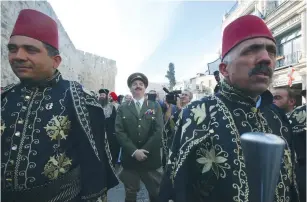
x=61 y=142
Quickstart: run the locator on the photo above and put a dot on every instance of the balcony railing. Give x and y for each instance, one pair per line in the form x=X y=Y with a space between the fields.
x=288 y=60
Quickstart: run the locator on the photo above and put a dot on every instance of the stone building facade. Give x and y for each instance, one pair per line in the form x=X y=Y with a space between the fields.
x=92 y=71
x=200 y=85
x=287 y=21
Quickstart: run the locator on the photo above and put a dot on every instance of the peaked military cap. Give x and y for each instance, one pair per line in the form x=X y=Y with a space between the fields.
x=137 y=76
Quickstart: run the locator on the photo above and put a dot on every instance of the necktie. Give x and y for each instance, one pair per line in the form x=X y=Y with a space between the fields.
x=138 y=107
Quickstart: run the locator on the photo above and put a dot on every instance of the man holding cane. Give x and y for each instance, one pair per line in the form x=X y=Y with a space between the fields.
x=207 y=162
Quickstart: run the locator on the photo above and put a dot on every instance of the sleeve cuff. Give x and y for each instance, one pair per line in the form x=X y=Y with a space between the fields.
x=133 y=153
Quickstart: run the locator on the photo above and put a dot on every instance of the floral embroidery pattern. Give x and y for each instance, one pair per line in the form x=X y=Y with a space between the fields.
x=56 y=166
x=58 y=127
x=211 y=118
x=300 y=116
x=210 y=160
x=199 y=113
x=102 y=199
x=288 y=163
x=2 y=127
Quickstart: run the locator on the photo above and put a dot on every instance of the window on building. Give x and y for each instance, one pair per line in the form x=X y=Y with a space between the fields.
x=289 y=46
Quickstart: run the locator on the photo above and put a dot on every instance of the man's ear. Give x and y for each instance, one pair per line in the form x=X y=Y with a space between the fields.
x=292 y=101
x=223 y=69
x=57 y=61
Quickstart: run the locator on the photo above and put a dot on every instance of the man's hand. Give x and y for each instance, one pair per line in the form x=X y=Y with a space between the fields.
x=140 y=154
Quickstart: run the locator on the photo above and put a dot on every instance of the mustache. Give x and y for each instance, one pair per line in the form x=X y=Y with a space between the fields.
x=19 y=63
x=261 y=68
x=100 y=98
x=138 y=88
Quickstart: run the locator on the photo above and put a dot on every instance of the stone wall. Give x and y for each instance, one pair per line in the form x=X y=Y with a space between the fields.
x=90 y=70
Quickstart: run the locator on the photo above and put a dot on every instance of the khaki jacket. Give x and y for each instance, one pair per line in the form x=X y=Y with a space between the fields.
x=142 y=131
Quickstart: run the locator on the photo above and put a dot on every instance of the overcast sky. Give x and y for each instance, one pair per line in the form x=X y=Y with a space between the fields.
x=145 y=35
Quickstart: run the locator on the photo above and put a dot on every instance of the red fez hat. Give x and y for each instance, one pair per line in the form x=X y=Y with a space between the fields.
x=243 y=28
x=114 y=96
x=37 y=25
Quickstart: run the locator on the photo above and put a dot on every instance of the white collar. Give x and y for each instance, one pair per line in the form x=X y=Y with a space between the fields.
x=141 y=101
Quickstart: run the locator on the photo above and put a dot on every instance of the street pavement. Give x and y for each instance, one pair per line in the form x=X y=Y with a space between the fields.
x=117 y=194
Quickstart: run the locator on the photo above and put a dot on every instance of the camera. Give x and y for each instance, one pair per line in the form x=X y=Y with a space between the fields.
x=151 y=97
x=171 y=97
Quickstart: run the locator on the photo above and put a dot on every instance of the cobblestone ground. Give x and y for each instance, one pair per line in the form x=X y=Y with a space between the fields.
x=117 y=194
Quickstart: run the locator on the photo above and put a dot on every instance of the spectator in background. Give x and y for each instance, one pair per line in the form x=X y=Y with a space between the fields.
x=113 y=99
x=103 y=97
x=285 y=99
x=185 y=98
x=297 y=120
x=127 y=98
x=155 y=97
x=120 y=99
x=110 y=115
x=303 y=94
x=170 y=118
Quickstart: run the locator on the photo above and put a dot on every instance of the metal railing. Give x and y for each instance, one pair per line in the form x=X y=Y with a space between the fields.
x=290 y=59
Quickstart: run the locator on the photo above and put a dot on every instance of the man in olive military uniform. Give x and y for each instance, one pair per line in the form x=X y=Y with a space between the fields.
x=138 y=128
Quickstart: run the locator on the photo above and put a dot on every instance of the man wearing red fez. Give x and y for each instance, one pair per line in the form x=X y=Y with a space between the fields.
x=113 y=99
x=207 y=161
x=52 y=130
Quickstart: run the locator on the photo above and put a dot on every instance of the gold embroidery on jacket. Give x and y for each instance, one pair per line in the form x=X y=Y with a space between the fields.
x=214 y=158
x=238 y=170
x=27 y=108
x=300 y=116
x=58 y=127
x=2 y=126
x=57 y=166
